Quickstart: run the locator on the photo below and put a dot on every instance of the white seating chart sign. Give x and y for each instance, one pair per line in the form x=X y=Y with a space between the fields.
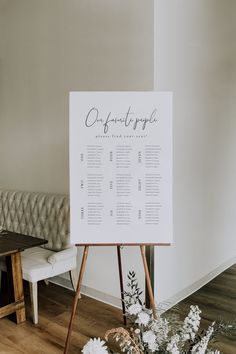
x=121 y=167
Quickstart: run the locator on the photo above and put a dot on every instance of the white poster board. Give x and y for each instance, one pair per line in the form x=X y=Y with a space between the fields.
x=121 y=167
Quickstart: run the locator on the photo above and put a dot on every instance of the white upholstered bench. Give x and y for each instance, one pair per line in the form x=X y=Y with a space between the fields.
x=45 y=216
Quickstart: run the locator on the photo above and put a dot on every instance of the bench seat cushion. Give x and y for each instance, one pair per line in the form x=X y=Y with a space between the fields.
x=35 y=264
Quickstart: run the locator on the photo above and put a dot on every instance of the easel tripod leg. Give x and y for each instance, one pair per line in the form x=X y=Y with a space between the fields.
x=76 y=298
x=121 y=283
x=148 y=279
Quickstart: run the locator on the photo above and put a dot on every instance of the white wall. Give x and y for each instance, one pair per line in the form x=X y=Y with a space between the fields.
x=196 y=59
x=51 y=47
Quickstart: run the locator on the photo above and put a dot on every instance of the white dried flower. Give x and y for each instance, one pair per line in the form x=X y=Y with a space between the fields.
x=201 y=347
x=153 y=347
x=191 y=323
x=161 y=328
x=134 y=309
x=95 y=346
x=172 y=346
x=143 y=318
x=149 y=337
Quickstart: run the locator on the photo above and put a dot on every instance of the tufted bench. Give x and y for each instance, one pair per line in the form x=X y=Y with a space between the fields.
x=45 y=216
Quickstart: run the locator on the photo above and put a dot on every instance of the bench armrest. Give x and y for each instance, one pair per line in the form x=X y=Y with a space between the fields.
x=69 y=252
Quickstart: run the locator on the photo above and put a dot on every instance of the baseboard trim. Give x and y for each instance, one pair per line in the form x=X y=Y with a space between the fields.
x=174 y=300
x=91 y=292
x=116 y=302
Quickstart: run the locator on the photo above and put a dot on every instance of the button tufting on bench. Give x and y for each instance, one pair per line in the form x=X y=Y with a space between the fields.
x=37 y=214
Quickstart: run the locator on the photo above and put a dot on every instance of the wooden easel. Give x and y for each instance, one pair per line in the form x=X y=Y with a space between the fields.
x=81 y=274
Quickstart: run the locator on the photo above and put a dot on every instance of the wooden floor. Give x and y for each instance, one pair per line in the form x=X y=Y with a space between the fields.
x=216 y=299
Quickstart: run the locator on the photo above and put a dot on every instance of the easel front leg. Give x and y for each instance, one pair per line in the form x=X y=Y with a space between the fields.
x=148 y=279
x=121 y=283
x=76 y=298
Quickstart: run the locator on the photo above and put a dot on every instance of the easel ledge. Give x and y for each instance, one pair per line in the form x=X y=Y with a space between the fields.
x=121 y=244
x=81 y=274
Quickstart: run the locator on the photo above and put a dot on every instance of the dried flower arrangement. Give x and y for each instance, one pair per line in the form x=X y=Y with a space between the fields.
x=159 y=333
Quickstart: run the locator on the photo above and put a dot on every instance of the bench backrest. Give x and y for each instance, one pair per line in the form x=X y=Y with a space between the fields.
x=41 y=215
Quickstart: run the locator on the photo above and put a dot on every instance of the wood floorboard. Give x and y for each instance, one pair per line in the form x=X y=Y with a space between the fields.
x=216 y=300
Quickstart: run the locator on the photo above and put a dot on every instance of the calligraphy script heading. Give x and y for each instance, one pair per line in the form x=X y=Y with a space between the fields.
x=128 y=120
